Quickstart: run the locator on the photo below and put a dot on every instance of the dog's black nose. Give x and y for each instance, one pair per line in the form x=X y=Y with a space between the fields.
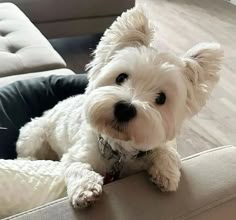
x=124 y=111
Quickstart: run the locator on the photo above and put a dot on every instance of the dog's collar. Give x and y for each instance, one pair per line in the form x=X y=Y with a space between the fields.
x=108 y=153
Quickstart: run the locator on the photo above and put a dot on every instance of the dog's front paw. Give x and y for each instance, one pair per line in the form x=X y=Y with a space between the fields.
x=86 y=195
x=88 y=191
x=167 y=180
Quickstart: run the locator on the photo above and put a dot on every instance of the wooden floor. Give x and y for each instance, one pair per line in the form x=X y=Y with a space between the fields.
x=181 y=24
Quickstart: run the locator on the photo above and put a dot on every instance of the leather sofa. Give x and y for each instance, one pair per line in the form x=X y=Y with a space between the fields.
x=23 y=48
x=207 y=189
x=67 y=18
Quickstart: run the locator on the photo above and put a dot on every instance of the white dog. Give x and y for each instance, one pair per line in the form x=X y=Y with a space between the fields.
x=134 y=106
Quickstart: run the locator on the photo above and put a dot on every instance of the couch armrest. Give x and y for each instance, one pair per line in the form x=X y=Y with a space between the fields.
x=207 y=191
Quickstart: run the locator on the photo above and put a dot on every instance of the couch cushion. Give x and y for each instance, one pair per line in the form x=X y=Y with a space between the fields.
x=23 y=48
x=25 y=99
x=207 y=191
x=41 y=11
x=10 y=79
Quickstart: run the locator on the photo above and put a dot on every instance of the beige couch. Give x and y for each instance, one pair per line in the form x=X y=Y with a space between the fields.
x=66 y=18
x=207 y=191
x=23 y=49
x=208 y=185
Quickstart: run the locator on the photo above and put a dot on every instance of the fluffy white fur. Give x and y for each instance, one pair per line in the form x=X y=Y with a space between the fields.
x=72 y=127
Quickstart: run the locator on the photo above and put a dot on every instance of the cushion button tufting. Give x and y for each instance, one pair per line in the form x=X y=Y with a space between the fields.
x=12 y=49
x=3 y=34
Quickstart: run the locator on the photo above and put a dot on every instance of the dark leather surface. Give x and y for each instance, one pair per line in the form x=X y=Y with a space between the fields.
x=25 y=99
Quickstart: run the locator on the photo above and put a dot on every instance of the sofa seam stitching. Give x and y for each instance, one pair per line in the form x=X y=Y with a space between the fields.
x=203 y=209
x=207 y=152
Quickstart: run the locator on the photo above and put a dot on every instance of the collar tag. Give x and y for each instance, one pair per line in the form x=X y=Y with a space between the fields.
x=114 y=174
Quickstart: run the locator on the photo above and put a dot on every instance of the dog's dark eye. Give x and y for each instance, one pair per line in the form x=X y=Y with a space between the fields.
x=161 y=98
x=121 y=78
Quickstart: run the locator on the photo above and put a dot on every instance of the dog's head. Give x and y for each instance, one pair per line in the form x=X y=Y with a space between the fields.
x=139 y=95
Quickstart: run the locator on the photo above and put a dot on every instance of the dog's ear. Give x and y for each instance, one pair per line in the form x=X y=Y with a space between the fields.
x=202 y=64
x=131 y=29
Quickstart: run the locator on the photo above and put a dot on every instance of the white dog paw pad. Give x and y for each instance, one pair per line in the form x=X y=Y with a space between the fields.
x=166 y=182
x=84 y=198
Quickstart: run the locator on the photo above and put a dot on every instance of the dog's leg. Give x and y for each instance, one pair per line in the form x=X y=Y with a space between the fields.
x=84 y=183
x=165 y=168
x=32 y=141
x=84 y=186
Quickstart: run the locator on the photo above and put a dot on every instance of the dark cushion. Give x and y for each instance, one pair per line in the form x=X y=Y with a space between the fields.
x=26 y=99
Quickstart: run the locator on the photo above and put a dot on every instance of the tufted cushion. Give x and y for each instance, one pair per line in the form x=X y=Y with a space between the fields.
x=23 y=48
